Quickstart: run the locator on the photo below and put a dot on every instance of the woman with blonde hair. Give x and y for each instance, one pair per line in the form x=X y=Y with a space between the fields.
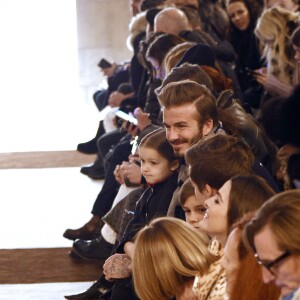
x=169 y=253
x=274 y=30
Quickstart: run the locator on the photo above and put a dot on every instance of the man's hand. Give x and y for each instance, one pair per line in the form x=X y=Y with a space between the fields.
x=117 y=266
x=133 y=173
x=119 y=175
x=132 y=129
x=115 y=99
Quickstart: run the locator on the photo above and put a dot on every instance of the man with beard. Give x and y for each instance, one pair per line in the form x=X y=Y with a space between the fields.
x=189 y=114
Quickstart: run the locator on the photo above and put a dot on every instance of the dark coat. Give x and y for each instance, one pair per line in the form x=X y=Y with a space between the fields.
x=153 y=203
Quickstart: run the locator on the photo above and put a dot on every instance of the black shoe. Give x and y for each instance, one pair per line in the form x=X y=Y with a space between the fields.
x=92 y=172
x=89 y=147
x=93 y=292
x=97 y=249
x=106 y=295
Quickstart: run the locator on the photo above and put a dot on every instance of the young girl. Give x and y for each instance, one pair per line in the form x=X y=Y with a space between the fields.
x=158 y=166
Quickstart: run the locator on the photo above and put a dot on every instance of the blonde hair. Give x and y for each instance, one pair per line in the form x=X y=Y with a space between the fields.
x=276 y=25
x=137 y=25
x=167 y=253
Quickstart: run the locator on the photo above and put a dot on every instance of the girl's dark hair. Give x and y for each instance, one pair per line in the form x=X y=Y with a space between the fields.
x=157 y=140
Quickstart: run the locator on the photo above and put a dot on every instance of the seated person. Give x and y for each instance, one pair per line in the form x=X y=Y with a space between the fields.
x=274 y=236
x=243 y=274
x=194 y=209
x=159 y=168
x=169 y=253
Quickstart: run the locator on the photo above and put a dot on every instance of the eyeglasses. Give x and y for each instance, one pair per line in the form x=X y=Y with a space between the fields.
x=270 y=264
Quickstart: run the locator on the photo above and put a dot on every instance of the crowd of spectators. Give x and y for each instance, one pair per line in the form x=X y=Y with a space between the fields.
x=200 y=156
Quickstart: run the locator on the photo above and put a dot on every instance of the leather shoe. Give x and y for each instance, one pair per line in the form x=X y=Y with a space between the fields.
x=89 y=231
x=98 y=249
x=92 y=172
x=89 y=147
x=93 y=292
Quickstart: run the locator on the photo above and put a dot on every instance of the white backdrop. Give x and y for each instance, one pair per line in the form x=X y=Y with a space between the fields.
x=41 y=106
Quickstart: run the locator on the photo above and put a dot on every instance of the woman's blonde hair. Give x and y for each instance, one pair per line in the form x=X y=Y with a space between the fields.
x=276 y=26
x=137 y=25
x=168 y=253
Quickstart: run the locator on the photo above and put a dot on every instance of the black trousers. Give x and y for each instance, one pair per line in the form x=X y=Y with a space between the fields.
x=123 y=290
x=115 y=156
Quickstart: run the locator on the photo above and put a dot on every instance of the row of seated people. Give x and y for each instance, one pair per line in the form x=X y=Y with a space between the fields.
x=208 y=137
x=252 y=80
x=213 y=161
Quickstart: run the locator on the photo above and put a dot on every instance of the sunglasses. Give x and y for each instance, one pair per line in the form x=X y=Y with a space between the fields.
x=270 y=264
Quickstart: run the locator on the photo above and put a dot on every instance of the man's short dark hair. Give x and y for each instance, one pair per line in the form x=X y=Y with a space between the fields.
x=216 y=159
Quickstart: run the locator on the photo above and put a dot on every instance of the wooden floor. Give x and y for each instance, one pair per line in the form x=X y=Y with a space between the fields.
x=42 y=194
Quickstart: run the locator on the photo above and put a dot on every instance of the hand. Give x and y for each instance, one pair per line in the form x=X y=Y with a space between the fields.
x=115 y=99
x=143 y=118
x=130 y=128
x=133 y=173
x=132 y=158
x=186 y=292
x=129 y=249
x=117 y=266
x=119 y=175
x=260 y=76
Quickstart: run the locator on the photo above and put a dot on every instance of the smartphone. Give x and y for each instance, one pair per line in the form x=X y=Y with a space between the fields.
x=104 y=64
x=126 y=117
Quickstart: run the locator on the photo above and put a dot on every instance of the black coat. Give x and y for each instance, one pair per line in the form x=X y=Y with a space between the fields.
x=153 y=203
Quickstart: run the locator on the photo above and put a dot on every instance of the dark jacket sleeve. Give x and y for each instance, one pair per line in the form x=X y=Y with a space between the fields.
x=137 y=221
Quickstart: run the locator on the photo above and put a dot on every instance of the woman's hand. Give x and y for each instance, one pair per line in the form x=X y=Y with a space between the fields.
x=260 y=76
x=129 y=249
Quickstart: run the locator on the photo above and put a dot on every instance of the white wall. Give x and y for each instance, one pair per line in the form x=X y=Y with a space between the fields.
x=102 y=31
x=48 y=73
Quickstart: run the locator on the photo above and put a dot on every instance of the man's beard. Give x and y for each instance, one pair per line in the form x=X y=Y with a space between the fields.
x=190 y=142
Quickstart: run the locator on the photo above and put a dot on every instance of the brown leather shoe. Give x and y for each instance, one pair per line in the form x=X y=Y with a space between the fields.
x=88 y=231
